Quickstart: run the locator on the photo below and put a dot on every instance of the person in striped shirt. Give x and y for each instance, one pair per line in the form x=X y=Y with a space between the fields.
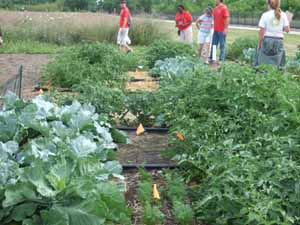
x=205 y=25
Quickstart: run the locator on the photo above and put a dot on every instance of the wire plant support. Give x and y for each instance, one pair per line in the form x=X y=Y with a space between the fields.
x=14 y=84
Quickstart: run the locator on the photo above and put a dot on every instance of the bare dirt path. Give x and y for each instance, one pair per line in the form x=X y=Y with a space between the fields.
x=32 y=64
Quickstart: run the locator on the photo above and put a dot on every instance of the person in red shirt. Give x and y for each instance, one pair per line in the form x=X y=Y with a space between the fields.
x=125 y=21
x=184 y=21
x=221 y=22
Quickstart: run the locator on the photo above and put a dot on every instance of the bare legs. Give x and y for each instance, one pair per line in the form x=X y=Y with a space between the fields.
x=204 y=51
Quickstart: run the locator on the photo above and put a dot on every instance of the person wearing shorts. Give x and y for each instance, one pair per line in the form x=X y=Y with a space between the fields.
x=184 y=21
x=125 y=18
x=1 y=38
x=205 y=25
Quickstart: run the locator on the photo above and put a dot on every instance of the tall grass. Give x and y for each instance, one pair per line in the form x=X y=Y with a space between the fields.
x=73 y=28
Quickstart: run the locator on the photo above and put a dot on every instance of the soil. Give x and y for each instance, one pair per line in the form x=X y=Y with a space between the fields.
x=132 y=180
x=149 y=84
x=142 y=86
x=144 y=149
x=140 y=75
x=32 y=66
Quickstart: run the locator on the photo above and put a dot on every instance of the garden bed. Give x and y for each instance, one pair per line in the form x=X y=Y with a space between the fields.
x=145 y=149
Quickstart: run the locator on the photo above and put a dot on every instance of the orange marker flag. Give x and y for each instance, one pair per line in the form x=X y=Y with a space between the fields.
x=140 y=130
x=180 y=136
x=155 y=192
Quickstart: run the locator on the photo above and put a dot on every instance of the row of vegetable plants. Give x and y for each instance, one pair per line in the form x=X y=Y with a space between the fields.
x=151 y=198
x=58 y=165
x=239 y=141
x=234 y=131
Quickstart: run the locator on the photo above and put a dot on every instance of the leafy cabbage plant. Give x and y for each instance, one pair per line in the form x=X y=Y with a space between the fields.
x=56 y=166
x=178 y=66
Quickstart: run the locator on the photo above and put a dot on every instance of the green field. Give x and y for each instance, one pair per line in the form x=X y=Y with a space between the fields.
x=37 y=32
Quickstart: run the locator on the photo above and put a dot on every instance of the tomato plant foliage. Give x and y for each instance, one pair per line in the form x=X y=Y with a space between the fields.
x=241 y=129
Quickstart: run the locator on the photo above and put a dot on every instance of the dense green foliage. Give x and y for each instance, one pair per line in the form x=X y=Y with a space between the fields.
x=100 y=62
x=162 y=49
x=167 y=6
x=293 y=66
x=176 y=192
x=96 y=71
x=178 y=66
x=56 y=166
x=152 y=215
x=237 y=48
x=241 y=129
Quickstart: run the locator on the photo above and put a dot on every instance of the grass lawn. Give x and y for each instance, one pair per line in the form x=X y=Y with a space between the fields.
x=38 y=32
x=29 y=47
x=291 y=40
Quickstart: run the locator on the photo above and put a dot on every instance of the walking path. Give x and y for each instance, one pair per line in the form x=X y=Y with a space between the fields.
x=295 y=32
x=241 y=27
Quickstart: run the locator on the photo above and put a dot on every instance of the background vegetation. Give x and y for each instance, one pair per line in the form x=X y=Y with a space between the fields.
x=148 y=6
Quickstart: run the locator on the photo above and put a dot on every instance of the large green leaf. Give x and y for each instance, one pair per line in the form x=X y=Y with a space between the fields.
x=45 y=108
x=113 y=167
x=53 y=160
x=60 y=174
x=11 y=101
x=10 y=147
x=86 y=213
x=36 y=174
x=8 y=170
x=18 y=193
x=38 y=149
x=89 y=166
x=82 y=146
x=21 y=212
x=8 y=125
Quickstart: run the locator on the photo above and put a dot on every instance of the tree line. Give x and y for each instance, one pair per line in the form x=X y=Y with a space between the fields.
x=158 y=6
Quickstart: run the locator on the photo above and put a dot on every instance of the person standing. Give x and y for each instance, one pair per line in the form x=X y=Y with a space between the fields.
x=1 y=38
x=272 y=25
x=184 y=22
x=205 y=25
x=221 y=22
x=125 y=21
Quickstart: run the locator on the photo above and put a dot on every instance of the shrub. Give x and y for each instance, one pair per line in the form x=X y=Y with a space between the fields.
x=298 y=52
x=107 y=100
x=44 y=7
x=140 y=104
x=144 y=32
x=98 y=62
x=241 y=129
x=162 y=49
x=74 y=5
x=293 y=66
x=236 y=49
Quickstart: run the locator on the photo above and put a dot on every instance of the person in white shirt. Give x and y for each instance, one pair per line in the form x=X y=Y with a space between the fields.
x=272 y=24
x=1 y=39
